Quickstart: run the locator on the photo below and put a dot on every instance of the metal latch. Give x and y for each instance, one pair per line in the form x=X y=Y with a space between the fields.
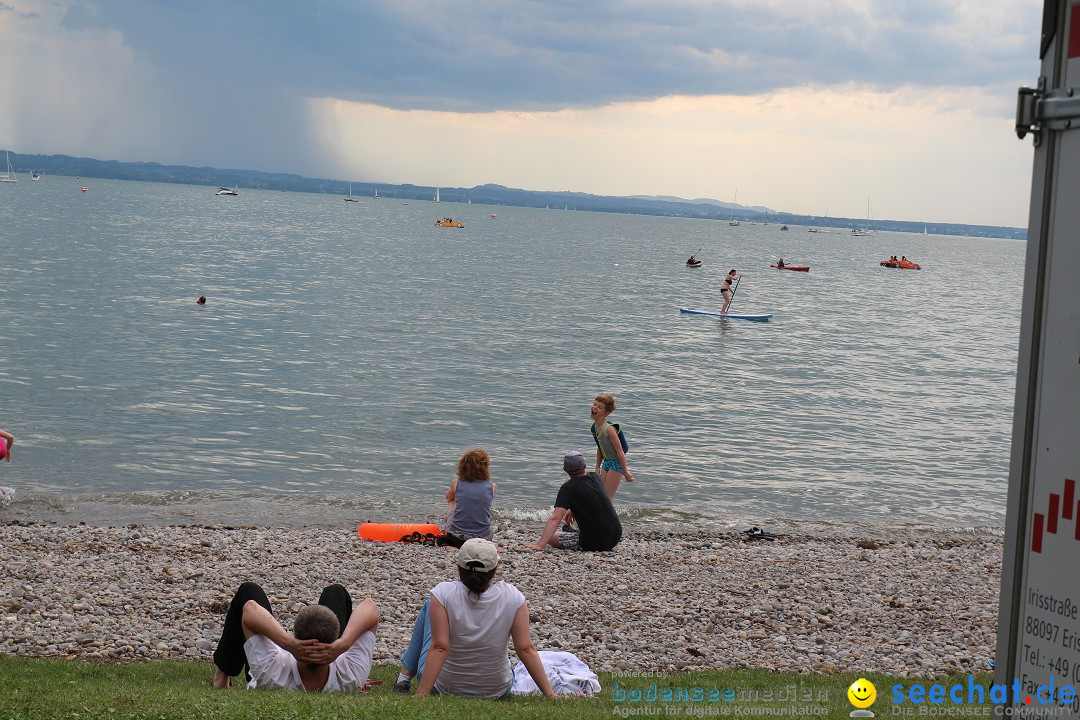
x=1037 y=109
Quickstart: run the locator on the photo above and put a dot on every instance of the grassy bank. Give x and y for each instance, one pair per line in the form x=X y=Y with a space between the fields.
x=33 y=689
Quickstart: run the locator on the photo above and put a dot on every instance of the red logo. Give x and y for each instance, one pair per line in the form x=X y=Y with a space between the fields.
x=1067 y=508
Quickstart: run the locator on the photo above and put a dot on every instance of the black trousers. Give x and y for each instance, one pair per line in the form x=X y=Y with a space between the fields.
x=230 y=657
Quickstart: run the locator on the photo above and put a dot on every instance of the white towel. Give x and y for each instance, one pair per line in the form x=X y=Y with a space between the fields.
x=566 y=672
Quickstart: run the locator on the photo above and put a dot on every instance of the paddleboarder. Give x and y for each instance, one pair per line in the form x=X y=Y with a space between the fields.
x=726 y=289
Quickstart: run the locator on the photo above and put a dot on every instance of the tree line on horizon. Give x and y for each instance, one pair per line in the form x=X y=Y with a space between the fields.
x=488 y=194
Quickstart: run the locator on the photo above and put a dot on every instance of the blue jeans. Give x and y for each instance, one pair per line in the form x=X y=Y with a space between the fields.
x=415 y=657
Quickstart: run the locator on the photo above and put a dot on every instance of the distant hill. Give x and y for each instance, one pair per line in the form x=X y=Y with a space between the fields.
x=489 y=194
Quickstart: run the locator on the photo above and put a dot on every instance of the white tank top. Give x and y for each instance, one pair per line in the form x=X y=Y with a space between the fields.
x=478 y=664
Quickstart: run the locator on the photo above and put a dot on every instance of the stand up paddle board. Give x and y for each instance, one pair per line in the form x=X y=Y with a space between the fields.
x=758 y=318
x=400 y=532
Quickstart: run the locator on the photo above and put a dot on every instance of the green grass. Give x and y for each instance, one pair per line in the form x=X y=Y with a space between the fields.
x=32 y=689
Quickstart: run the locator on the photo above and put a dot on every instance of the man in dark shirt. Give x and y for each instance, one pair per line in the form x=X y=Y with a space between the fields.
x=584 y=496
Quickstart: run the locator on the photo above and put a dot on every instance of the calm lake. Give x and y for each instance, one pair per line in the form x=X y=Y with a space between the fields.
x=349 y=352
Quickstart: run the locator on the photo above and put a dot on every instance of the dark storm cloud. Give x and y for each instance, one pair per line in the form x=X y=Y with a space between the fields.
x=479 y=56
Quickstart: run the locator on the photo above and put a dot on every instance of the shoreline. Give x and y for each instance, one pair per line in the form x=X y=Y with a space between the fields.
x=334 y=511
x=915 y=602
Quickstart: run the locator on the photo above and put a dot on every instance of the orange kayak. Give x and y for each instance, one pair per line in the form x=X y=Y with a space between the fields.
x=900 y=264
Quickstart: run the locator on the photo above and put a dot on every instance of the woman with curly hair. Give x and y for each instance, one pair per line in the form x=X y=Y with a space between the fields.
x=469 y=498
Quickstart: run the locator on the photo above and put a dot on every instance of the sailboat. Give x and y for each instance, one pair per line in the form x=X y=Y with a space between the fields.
x=349 y=197
x=733 y=222
x=436 y=195
x=9 y=177
x=814 y=229
x=860 y=232
x=377 y=194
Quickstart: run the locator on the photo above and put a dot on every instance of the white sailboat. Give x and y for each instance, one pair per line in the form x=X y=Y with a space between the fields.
x=9 y=177
x=377 y=194
x=865 y=230
x=733 y=221
x=349 y=197
x=436 y=196
x=814 y=229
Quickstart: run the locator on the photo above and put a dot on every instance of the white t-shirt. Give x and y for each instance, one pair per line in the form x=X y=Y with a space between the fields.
x=272 y=667
x=478 y=664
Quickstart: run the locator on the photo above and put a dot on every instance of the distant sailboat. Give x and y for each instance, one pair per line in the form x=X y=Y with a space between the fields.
x=377 y=194
x=859 y=232
x=436 y=196
x=734 y=222
x=9 y=177
x=349 y=197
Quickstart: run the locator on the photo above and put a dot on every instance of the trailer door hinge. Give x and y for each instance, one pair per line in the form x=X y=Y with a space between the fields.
x=1037 y=109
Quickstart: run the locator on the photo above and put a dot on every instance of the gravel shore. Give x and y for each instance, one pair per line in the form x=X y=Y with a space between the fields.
x=907 y=603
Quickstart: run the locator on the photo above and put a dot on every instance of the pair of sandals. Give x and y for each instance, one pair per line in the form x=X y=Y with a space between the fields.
x=756 y=533
x=429 y=539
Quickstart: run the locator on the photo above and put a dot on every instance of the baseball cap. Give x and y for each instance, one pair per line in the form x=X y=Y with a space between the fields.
x=478 y=554
x=573 y=462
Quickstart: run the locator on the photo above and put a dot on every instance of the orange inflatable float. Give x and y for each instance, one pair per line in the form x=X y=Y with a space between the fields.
x=425 y=533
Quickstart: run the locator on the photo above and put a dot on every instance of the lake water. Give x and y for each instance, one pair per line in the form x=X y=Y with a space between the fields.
x=350 y=352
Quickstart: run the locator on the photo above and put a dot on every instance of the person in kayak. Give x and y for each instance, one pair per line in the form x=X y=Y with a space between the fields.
x=693 y=260
x=726 y=289
x=780 y=263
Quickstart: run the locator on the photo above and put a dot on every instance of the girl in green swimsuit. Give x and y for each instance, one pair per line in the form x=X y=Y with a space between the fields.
x=610 y=458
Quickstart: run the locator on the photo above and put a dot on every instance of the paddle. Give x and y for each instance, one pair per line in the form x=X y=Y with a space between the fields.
x=733 y=290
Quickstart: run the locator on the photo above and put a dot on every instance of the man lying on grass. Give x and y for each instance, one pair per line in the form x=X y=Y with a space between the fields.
x=318 y=656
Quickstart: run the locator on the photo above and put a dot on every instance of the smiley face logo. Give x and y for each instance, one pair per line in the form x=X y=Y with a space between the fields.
x=862 y=693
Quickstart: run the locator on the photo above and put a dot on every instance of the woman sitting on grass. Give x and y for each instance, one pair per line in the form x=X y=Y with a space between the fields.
x=459 y=642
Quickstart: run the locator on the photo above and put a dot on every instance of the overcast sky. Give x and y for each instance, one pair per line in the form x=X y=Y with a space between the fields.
x=807 y=106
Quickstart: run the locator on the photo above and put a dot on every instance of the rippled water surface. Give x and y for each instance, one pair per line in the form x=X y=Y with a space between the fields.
x=349 y=352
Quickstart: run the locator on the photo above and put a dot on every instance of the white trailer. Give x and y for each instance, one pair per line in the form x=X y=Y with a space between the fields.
x=1039 y=617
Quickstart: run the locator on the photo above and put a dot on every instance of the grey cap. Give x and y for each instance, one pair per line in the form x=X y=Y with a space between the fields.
x=478 y=554
x=573 y=462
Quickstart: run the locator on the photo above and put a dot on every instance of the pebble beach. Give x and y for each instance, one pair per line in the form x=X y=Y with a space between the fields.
x=917 y=603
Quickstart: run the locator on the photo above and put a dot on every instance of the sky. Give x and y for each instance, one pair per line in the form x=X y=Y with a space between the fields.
x=806 y=106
